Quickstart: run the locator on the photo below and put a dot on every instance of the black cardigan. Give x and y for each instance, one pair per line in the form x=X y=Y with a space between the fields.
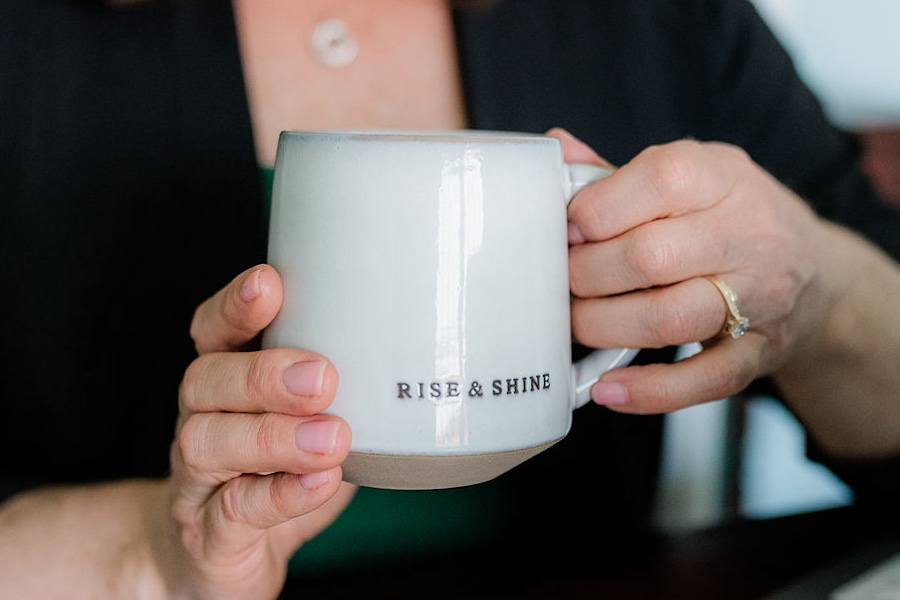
x=130 y=192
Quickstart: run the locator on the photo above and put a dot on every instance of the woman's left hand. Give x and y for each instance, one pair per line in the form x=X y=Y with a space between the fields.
x=643 y=241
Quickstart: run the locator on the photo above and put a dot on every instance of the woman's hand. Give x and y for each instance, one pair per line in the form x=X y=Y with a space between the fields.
x=255 y=465
x=255 y=473
x=820 y=299
x=643 y=240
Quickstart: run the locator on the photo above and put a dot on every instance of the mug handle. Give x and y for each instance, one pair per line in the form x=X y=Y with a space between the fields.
x=587 y=371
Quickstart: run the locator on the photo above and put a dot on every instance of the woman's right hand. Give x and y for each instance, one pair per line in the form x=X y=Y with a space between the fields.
x=255 y=473
x=255 y=465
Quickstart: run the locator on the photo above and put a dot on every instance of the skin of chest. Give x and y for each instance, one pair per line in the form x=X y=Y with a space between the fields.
x=404 y=76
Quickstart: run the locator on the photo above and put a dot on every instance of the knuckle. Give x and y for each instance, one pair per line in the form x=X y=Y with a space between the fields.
x=650 y=255
x=266 y=437
x=199 y=329
x=784 y=291
x=187 y=391
x=586 y=214
x=278 y=499
x=261 y=375
x=189 y=440
x=195 y=329
x=231 y=502
x=734 y=153
x=673 y=169
x=673 y=323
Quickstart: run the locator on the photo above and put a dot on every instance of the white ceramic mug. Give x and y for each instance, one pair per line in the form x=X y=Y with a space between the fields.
x=432 y=269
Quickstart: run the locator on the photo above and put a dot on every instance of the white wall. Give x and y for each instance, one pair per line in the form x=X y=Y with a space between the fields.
x=848 y=51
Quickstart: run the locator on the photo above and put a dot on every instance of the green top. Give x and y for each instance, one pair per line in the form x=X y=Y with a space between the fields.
x=391 y=525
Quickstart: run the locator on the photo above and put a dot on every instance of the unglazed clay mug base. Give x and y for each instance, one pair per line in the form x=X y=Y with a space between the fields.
x=432 y=269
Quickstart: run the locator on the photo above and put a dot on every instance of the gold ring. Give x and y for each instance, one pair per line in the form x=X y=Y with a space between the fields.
x=735 y=324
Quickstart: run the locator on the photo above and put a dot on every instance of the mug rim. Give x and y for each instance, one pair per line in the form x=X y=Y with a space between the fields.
x=421 y=135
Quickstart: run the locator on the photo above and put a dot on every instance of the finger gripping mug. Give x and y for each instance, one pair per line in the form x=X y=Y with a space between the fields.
x=432 y=269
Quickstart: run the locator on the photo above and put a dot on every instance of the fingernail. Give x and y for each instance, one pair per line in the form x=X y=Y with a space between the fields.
x=311 y=481
x=304 y=378
x=575 y=236
x=609 y=394
x=318 y=437
x=250 y=287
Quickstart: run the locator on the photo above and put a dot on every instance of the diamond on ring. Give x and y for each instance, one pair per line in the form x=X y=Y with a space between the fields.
x=735 y=324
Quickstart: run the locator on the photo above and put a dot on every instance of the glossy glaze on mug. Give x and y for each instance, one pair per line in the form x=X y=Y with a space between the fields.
x=432 y=270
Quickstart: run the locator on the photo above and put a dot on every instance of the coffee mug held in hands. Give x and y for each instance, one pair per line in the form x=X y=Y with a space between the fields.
x=432 y=269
